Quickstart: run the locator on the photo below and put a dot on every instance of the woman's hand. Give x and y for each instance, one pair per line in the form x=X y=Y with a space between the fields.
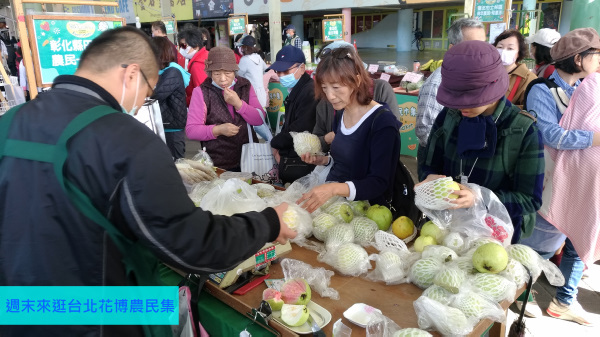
x=276 y=155
x=318 y=196
x=465 y=198
x=314 y=160
x=231 y=97
x=429 y=178
x=329 y=137
x=226 y=129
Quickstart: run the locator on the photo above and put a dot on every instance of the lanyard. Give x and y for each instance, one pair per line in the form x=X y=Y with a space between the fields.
x=465 y=179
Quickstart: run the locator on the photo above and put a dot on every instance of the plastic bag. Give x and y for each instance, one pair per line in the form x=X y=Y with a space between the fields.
x=299 y=187
x=439 y=294
x=305 y=142
x=322 y=222
x=515 y=272
x=476 y=307
x=348 y=259
x=442 y=253
x=318 y=278
x=486 y=218
x=411 y=332
x=341 y=210
x=381 y=326
x=243 y=176
x=201 y=189
x=234 y=196
x=391 y=267
x=423 y=271
x=364 y=230
x=341 y=330
x=338 y=235
x=203 y=157
x=433 y=315
x=450 y=277
x=264 y=190
x=299 y=220
x=536 y=264
x=494 y=287
x=194 y=172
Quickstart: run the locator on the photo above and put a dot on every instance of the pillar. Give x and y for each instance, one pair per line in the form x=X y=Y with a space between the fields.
x=275 y=27
x=404 y=30
x=585 y=13
x=468 y=8
x=565 y=17
x=347 y=24
x=165 y=8
x=298 y=22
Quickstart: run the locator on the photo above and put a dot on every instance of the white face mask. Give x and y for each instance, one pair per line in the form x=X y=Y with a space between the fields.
x=507 y=56
x=187 y=53
x=137 y=89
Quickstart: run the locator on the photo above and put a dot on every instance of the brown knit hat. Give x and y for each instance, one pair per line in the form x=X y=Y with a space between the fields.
x=221 y=58
x=575 y=42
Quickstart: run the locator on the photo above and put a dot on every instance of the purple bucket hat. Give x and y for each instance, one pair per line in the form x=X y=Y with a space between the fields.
x=472 y=76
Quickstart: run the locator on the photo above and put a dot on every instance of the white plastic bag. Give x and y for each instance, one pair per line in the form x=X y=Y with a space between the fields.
x=305 y=142
x=299 y=220
x=348 y=259
x=318 y=278
x=234 y=196
x=476 y=307
x=381 y=326
x=391 y=267
x=449 y=321
x=536 y=264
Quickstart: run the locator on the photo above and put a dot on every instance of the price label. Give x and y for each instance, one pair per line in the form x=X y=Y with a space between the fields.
x=412 y=77
x=265 y=256
x=385 y=77
x=373 y=68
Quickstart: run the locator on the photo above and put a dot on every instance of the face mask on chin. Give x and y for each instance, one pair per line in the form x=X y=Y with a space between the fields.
x=507 y=56
x=137 y=89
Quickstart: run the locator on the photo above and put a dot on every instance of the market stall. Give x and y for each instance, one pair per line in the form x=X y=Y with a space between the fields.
x=396 y=302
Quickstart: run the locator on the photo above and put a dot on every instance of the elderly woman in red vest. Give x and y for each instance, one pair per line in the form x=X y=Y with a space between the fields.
x=221 y=109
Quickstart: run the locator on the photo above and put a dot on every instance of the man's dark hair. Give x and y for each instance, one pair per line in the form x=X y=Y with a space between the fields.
x=159 y=25
x=165 y=51
x=542 y=54
x=569 y=66
x=115 y=47
x=520 y=40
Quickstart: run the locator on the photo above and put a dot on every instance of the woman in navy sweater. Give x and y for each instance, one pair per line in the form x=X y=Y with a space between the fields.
x=366 y=147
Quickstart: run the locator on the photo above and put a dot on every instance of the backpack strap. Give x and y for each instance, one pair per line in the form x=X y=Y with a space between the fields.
x=514 y=135
x=513 y=92
x=549 y=83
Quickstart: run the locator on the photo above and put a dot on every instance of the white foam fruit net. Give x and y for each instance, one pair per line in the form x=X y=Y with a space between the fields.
x=434 y=194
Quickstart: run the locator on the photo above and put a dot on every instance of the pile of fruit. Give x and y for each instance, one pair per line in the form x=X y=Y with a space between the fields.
x=465 y=279
x=431 y=65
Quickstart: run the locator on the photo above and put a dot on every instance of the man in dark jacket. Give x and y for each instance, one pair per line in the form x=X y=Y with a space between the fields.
x=300 y=112
x=128 y=175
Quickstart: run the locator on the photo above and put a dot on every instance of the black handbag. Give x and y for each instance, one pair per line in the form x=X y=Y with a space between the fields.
x=293 y=168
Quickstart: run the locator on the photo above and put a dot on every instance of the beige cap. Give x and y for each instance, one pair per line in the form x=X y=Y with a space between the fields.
x=575 y=42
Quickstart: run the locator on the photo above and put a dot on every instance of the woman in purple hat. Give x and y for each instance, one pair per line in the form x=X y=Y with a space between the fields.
x=481 y=137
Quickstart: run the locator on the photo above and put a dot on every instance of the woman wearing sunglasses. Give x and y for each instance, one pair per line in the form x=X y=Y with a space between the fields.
x=365 y=150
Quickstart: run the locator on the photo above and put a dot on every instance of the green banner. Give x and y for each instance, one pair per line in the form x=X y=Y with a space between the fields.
x=60 y=42
x=333 y=30
x=407 y=105
x=489 y=10
x=237 y=25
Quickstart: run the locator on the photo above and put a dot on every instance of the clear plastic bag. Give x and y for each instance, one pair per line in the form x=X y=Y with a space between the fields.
x=364 y=230
x=486 y=218
x=494 y=287
x=318 y=278
x=341 y=330
x=411 y=332
x=439 y=294
x=536 y=264
x=384 y=241
x=341 y=210
x=442 y=253
x=338 y=235
x=299 y=187
x=203 y=157
x=299 y=220
x=201 y=189
x=477 y=307
x=234 y=196
x=381 y=326
x=450 y=277
x=348 y=259
x=322 y=222
x=305 y=142
x=391 y=267
x=449 y=321
x=423 y=271
x=515 y=272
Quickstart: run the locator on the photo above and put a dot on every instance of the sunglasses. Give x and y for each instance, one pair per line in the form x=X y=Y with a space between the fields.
x=338 y=53
x=145 y=79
